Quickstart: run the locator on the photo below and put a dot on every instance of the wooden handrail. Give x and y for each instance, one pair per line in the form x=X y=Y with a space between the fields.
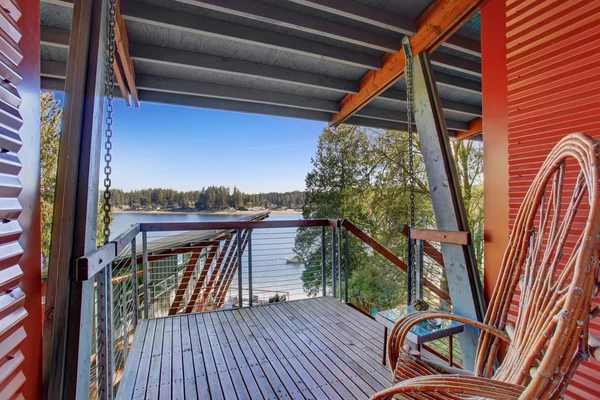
x=231 y=225
x=388 y=255
x=453 y=237
x=433 y=253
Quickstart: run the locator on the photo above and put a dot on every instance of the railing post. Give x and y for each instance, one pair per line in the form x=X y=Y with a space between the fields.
x=410 y=272
x=250 y=293
x=323 y=262
x=339 y=269
x=239 y=262
x=333 y=271
x=145 y=272
x=419 y=270
x=346 y=259
x=104 y=346
x=134 y=282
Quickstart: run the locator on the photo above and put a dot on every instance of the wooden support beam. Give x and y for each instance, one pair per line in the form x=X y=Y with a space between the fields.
x=212 y=252
x=475 y=128
x=432 y=235
x=437 y=23
x=122 y=41
x=185 y=281
x=118 y=70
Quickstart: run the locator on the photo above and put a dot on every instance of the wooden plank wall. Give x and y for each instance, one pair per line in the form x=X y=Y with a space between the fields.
x=553 y=69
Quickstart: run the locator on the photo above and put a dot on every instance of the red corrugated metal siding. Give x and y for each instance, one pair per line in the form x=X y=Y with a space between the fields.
x=553 y=63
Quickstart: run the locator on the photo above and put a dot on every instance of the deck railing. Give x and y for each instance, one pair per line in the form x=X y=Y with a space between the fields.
x=159 y=269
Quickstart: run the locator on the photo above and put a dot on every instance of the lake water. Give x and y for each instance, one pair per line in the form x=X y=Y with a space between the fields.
x=271 y=273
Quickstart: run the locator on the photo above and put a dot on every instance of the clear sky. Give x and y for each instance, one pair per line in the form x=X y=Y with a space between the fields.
x=188 y=148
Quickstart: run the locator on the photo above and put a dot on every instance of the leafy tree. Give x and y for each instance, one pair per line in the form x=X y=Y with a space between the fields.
x=50 y=120
x=362 y=175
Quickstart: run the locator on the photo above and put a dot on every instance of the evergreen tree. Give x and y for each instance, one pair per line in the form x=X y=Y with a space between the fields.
x=50 y=119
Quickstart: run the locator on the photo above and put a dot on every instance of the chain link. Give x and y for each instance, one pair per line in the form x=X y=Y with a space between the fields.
x=411 y=157
x=109 y=87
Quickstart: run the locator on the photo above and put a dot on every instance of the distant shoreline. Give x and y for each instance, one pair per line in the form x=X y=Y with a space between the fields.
x=206 y=212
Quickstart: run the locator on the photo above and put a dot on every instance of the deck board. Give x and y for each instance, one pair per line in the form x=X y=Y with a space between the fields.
x=306 y=349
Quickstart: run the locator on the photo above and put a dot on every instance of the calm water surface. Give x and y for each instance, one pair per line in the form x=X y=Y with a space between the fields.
x=271 y=273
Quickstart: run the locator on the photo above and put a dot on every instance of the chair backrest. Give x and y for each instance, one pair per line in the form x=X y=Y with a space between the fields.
x=551 y=268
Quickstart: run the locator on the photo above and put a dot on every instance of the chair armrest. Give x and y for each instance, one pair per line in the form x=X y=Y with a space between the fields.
x=454 y=385
x=402 y=327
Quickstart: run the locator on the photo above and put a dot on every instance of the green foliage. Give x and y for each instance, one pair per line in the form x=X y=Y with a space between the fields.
x=212 y=198
x=50 y=120
x=362 y=175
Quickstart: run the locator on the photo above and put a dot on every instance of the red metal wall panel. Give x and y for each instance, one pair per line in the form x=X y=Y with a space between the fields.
x=553 y=69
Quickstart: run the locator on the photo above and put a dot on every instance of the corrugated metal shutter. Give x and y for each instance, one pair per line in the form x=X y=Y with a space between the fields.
x=553 y=61
x=12 y=298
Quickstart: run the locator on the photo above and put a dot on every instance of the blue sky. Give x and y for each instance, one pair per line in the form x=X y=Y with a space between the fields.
x=188 y=148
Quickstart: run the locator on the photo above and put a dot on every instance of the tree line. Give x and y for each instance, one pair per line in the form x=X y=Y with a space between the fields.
x=212 y=198
x=362 y=175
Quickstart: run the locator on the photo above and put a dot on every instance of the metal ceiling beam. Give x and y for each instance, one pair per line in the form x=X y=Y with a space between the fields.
x=458 y=83
x=179 y=58
x=381 y=124
x=231 y=105
x=376 y=17
x=172 y=57
x=51 y=69
x=437 y=23
x=188 y=22
x=195 y=88
x=400 y=116
x=292 y=19
x=361 y=12
x=457 y=64
x=54 y=37
x=399 y=96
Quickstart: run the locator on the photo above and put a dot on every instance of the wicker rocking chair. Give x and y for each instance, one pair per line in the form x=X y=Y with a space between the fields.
x=555 y=273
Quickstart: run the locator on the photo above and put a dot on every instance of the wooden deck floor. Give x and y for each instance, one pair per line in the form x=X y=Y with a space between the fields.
x=307 y=349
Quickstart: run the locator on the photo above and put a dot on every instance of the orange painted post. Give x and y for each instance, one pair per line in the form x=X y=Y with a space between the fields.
x=215 y=273
x=185 y=280
x=231 y=273
x=434 y=26
x=212 y=252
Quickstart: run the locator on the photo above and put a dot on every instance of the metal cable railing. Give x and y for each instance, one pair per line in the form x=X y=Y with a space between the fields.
x=163 y=269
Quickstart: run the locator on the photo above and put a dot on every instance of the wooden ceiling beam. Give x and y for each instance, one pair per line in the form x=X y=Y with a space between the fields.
x=475 y=128
x=434 y=26
x=124 y=58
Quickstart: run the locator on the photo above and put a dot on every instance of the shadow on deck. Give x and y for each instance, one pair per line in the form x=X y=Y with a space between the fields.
x=316 y=348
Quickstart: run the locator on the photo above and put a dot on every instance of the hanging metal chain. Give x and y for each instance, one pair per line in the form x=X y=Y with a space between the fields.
x=109 y=86
x=411 y=157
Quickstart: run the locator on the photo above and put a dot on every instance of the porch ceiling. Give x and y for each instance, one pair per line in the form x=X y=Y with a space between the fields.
x=294 y=58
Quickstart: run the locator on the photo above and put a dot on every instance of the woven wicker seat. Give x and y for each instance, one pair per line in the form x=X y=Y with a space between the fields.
x=551 y=264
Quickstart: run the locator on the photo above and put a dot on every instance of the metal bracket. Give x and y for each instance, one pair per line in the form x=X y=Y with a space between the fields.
x=407 y=47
